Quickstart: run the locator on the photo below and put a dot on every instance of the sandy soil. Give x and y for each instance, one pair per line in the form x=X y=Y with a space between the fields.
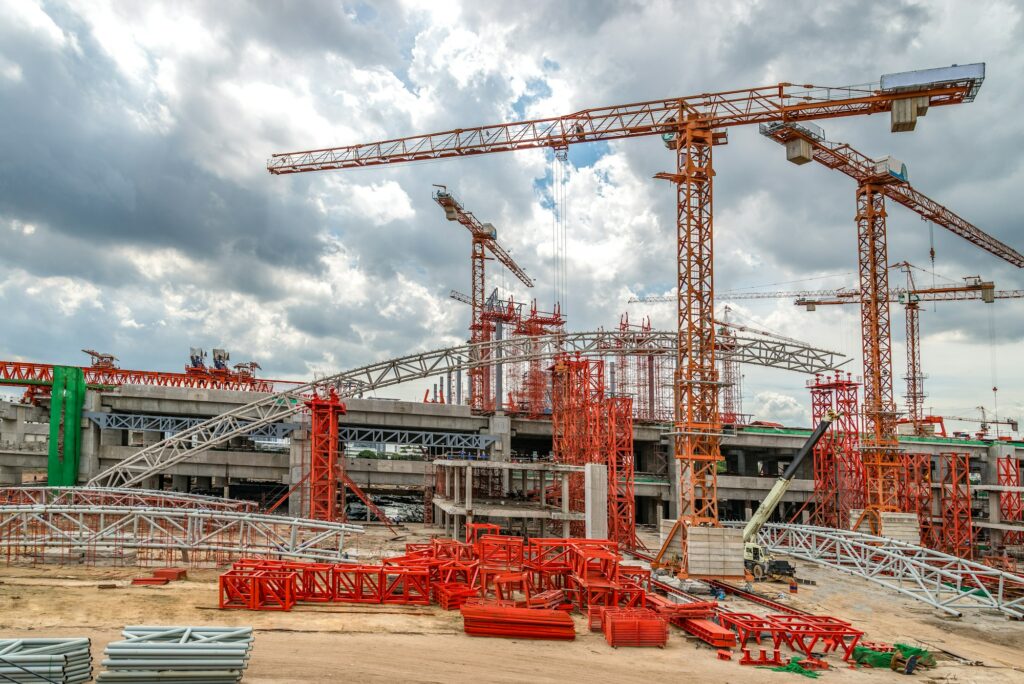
x=393 y=643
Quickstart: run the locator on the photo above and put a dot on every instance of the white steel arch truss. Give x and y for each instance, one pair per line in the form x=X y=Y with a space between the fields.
x=164 y=535
x=949 y=583
x=273 y=408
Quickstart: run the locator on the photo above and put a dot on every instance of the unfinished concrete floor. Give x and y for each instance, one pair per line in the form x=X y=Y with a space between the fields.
x=392 y=643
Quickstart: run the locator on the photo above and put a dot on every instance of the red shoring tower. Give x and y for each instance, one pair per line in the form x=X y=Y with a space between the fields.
x=1011 y=508
x=621 y=494
x=838 y=471
x=325 y=463
x=957 y=533
x=532 y=398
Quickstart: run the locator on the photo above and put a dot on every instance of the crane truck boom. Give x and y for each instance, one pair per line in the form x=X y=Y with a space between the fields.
x=755 y=558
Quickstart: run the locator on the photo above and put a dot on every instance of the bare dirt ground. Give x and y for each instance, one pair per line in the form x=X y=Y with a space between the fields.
x=328 y=643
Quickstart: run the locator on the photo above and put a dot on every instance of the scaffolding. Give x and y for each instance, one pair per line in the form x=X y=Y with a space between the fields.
x=916 y=496
x=646 y=377
x=1011 y=509
x=957 y=534
x=838 y=469
x=589 y=427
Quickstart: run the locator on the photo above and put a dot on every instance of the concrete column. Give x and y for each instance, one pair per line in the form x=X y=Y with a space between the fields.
x=10 y=476
x=595 y=488
x=499 y=399
x=298 y=502
x=741 y=462
x=447 y=481
x=455 y=489
x=179 y=483
x=565 y=503
x=501 y=427
x=542 y=477
x=222 y=484
x=89 y=455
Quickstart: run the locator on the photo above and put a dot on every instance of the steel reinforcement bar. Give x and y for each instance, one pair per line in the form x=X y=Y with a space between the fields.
x=949 y=583
x=132 y=535
x=273 y=408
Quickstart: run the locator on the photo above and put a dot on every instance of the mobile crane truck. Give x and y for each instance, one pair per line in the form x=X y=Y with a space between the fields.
x=755 y=559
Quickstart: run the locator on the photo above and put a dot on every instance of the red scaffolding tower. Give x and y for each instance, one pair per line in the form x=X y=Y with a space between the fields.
x=589 y=427
x=324 y=463
x=916 y=495
x=957 y=533
x=1011 y=508
x=838 y=470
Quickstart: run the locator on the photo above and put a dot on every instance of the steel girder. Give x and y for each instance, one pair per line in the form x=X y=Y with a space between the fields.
x=186 y=533
x=275 y=408
x=173 y=424
x=453 y=441
x=949 y=583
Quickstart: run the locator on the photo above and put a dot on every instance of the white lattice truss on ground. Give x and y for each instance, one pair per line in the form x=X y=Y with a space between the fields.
x=164 y=535
x=112 y=496
x=946 y=582
x=272 y=408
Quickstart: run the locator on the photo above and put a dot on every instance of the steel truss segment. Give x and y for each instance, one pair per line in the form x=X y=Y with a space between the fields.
x=171 y=534
x=949 y=583
x=277 y=408
x=173 y=424
x=110 y=496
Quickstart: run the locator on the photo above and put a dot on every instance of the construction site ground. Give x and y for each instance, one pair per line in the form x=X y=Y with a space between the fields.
x=322 y=643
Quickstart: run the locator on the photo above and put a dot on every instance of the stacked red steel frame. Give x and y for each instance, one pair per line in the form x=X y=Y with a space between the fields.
x=512 y=587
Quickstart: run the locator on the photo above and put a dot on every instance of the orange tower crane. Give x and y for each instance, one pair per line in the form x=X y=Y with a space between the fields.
x=485 y=239
x=690 y=126
x=876 y=181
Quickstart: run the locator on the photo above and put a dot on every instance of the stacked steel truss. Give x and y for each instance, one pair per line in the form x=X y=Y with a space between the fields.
x=957 y=534
x=133 y=535
x=1011 y=508
x=589 y=427
x=838 y=469
x=950 y=583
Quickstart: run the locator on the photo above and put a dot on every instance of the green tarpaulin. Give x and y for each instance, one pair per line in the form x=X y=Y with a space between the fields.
x=65 y=426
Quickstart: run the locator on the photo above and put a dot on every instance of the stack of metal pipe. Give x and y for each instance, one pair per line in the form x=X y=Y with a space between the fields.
x=178 y=655
x=45 y=660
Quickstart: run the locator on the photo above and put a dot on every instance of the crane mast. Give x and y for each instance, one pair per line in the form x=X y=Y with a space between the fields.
x=690 y=127
x=877 y=180
x=484 y=240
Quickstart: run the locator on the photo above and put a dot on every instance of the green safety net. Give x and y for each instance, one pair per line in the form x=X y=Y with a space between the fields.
x=867 y=656
x=794 y=667
x=66 y=400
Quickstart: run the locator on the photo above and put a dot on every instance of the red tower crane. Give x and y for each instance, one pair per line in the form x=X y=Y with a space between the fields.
x=485 y=239
x=690 y=126
x=876 y=181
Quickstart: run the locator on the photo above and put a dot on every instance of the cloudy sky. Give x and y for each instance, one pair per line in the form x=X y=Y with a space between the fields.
x=137 y=215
